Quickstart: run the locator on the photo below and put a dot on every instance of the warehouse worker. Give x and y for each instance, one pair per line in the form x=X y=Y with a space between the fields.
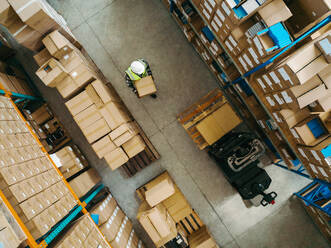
x=137 y=70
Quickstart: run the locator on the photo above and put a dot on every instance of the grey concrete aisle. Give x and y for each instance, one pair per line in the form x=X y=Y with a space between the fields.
x=114 y=32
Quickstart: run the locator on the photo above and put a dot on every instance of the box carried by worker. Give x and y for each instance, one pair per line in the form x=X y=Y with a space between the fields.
x=145 y=86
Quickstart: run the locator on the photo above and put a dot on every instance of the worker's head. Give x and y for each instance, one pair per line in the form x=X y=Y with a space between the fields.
x=138 y=67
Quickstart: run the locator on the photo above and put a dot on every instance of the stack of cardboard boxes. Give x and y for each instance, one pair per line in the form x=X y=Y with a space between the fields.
x=29 y=21
x=83 y=233
x=115 y=225
x=296 y=90
x=83 y=183
x=97 y=109
x=69 y=160
x=8 y=236
x=28 y=179
x=164 y=206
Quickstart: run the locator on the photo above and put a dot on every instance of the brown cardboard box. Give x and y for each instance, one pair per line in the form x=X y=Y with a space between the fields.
x=145 y=86
x=42 y=57
x=290 y=118
x=306 y=137
x=312 y=68
x=214 y=126
x=160 y=192
x=315 y=153
x=8 y=238
x=325 y=76
x=100 y=93
x=111 y=227
x=96 y=131
x=51 y=73
x=134 y=146
x=34 y=14
x=146 y=223
x=79 y=103
x=87 y=117
x=73 y=59
x=103 y=146
x=114 y=115
x=274 y=12
x=84 y=182
x=105 y=209
x=201 y=239
x=300 y=96
x=123 y=133
x=123 y=234
x=82 y=75
x=67 y=87
x=57 y=44
x=116 y=158
x=324 y=46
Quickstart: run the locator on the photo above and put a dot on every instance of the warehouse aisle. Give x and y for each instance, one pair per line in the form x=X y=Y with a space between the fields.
x=114 y=32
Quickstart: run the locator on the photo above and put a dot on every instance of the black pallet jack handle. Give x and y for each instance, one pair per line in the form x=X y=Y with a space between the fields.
x=268 y=198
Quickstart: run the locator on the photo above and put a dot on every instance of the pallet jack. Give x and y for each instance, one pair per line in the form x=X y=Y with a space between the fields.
x=237 y=155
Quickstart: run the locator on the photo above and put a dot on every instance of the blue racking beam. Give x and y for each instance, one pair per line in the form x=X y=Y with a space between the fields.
x=21 y=96
x=321 y=192
x=299 y=171
x=76 y=210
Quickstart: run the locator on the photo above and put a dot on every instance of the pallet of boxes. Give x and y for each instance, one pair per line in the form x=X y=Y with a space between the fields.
x=168 y=218
x=97 y=110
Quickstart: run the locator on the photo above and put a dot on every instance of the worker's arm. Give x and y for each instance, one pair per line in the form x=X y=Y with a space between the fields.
x=148 y=69
x=129 y=83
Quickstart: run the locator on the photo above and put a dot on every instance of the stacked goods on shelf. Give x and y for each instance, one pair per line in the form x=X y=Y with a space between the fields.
x=300 y=103
x=10 y=235
x=14 y=83
x=28 y=179
x=167 y=217
x=96 y=109
x=115 y=225
x=205 y=121
x=83 y=183
x=48 y=128
x=29 y=21
x=83 y=233
x=69 y=160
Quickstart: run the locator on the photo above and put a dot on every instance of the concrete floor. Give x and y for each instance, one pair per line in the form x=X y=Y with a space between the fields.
x=114 y=32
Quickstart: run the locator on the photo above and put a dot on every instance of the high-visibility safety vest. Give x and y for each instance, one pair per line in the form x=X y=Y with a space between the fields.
x=133 y=76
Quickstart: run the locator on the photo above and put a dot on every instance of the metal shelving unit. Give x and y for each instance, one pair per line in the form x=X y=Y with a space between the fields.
x=80 y=207
x=263 y=65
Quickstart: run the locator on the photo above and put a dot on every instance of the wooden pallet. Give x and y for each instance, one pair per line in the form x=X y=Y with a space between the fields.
x=146 y=157
x=189 y=223
x=197 y=112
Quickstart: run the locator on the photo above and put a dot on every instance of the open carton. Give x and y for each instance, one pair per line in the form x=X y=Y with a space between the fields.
x=311 y=131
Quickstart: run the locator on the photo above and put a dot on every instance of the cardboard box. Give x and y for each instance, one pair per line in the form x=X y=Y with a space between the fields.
x=123 y=234
x=114 y=115
x=67 y=87
x=311 y=131
x=214 y=126
x=123 y=133
x=160 y=192
x=57 y=45
x=318 y=154
x=8 y=237
x=87 y=117
x=79 y=103
x=101 y=94
x=145 y=86
x=84 y=182
x=274 y=12
x=111 y=227
x=201 y=239
x=116 y=158
x=34 y=14
x=134 y=146
x=96 y=131
x=300 y=96
x=312 y=68
x=42 y=57
x=103 y=146
x=72 y=60
x=51 y=73
x=105 y=209
x=324 y=46
x=82 y=75
x=290 y=117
